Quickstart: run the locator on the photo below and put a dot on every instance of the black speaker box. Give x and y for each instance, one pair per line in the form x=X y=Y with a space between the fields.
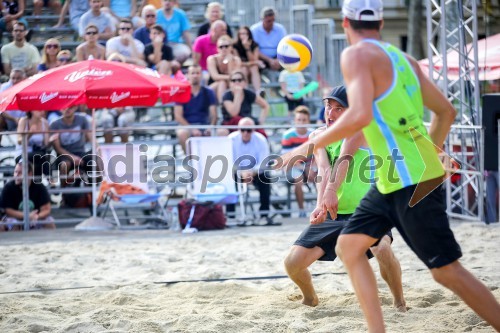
x=491 y=115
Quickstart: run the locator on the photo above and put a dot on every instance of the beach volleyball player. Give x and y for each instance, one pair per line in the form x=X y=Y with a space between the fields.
x=343 y=185
x=387 y=92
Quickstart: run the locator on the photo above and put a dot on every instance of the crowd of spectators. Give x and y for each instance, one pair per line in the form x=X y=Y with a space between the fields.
x=224 y=73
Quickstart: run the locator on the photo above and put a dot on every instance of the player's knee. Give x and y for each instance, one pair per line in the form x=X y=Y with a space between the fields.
x=290 y=263
x=446 y=275
x=383 y=249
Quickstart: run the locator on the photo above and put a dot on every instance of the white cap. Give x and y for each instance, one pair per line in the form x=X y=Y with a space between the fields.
x=363 y=10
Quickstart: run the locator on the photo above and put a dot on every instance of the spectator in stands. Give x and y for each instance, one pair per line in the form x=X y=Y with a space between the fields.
x=157 y=4
x=206 y=45
x=120 y=9
x=116 y=57
x=20 y=53
x=10 y=119
x=90 y=48
x=70 y=146
x=121 y=117
x=12 y=202
x=221 y=64
x=248 y=51
x=268 y=34
x=237 y=102
x=291 y=82
x=251 y=150
x=200 y=110
x=64 y=57
x=176 y=24
x=214 y=12
x=301 y=172
x=126 y=45
x=38 y=5
x=159 y=55
x=76 y=9
x=177 y=73
x=12 y=11
x=101 y=20
x=149 y=16
x=49 y=55
x=35 y=123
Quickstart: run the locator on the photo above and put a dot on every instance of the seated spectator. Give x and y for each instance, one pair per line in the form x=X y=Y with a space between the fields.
x=70 y=146
x=118 y=117
x=200 y=110
x=268 y=34
x=301 y=172
x=119 y=9
x=49 y=55
x=158 y=55
x=12 y=202
x=12 y=11
x=247 y=142
x=20 y=53
x=10 y=119
x=76 y=9
x=90 y=48
x=248 y=51
x=237 y=102
x=38 y=5
x=176 y=24
x=38 y=140
x=291 y=82
x=100 y=19
x=126 y=45
x=221 y=64
x=214 y=12
x=206 y=45
x=148 y=14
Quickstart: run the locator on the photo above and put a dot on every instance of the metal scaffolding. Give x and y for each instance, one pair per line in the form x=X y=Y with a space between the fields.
x=452 y=26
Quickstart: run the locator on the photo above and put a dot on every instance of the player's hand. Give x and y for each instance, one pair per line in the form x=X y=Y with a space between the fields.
x=318 y=216
x=196 y=132
x=331 y=203
x=288 y=159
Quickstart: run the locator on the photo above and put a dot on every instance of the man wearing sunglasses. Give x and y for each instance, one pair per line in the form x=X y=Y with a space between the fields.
x=100 y=19
x=126 y=45
x=250 y=150
x=19 y=53
x=148 y=14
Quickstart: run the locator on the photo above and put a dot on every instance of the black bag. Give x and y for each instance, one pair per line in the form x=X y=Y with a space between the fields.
x=207 y=215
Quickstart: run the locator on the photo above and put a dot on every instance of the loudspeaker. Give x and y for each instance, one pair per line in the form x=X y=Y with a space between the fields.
x=491 y=114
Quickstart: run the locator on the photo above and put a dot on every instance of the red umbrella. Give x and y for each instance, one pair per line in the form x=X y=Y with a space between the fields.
x=95 y=83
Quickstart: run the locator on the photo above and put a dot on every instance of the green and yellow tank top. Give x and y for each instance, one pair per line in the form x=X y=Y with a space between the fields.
x=404 y=152
x=358 y=180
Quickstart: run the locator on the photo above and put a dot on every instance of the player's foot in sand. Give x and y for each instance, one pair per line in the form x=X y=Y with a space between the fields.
x=306 y=301
x=401 y=306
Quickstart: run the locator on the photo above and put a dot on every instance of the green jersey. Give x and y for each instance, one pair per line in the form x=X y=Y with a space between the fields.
x=358 y=179
x=397 y=135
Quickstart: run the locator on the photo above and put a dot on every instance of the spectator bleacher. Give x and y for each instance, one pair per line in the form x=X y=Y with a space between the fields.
x=155 y=126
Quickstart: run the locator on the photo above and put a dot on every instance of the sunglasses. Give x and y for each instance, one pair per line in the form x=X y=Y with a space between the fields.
x=248 y=130
x=52 y=46
x=91 y=33
x=125 y=29
x=150 y=15
x=237 y=80
x=224 y=46
x=63 y=59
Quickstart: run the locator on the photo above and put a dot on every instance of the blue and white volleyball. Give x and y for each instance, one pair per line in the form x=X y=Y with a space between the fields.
x=294 y=52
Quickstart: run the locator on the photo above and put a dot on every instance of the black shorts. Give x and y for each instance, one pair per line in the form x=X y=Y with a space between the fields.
x=325 y=236
x=424 y=227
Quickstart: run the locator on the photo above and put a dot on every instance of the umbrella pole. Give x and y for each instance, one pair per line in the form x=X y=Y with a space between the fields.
x=94 y=166
x=26 y=196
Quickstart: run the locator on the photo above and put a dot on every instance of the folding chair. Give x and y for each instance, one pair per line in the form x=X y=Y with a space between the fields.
x=126 y=183
x=213 y=177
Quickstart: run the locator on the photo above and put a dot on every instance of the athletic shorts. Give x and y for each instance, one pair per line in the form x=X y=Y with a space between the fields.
x=424 y=227
x=325 y=236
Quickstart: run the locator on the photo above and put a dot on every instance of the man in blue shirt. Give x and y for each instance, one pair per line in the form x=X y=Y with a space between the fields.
x=268 y=34
x=175 y=22
x=200 y=110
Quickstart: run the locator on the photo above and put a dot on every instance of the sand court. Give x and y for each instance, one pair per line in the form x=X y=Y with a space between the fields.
x=105 y=282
